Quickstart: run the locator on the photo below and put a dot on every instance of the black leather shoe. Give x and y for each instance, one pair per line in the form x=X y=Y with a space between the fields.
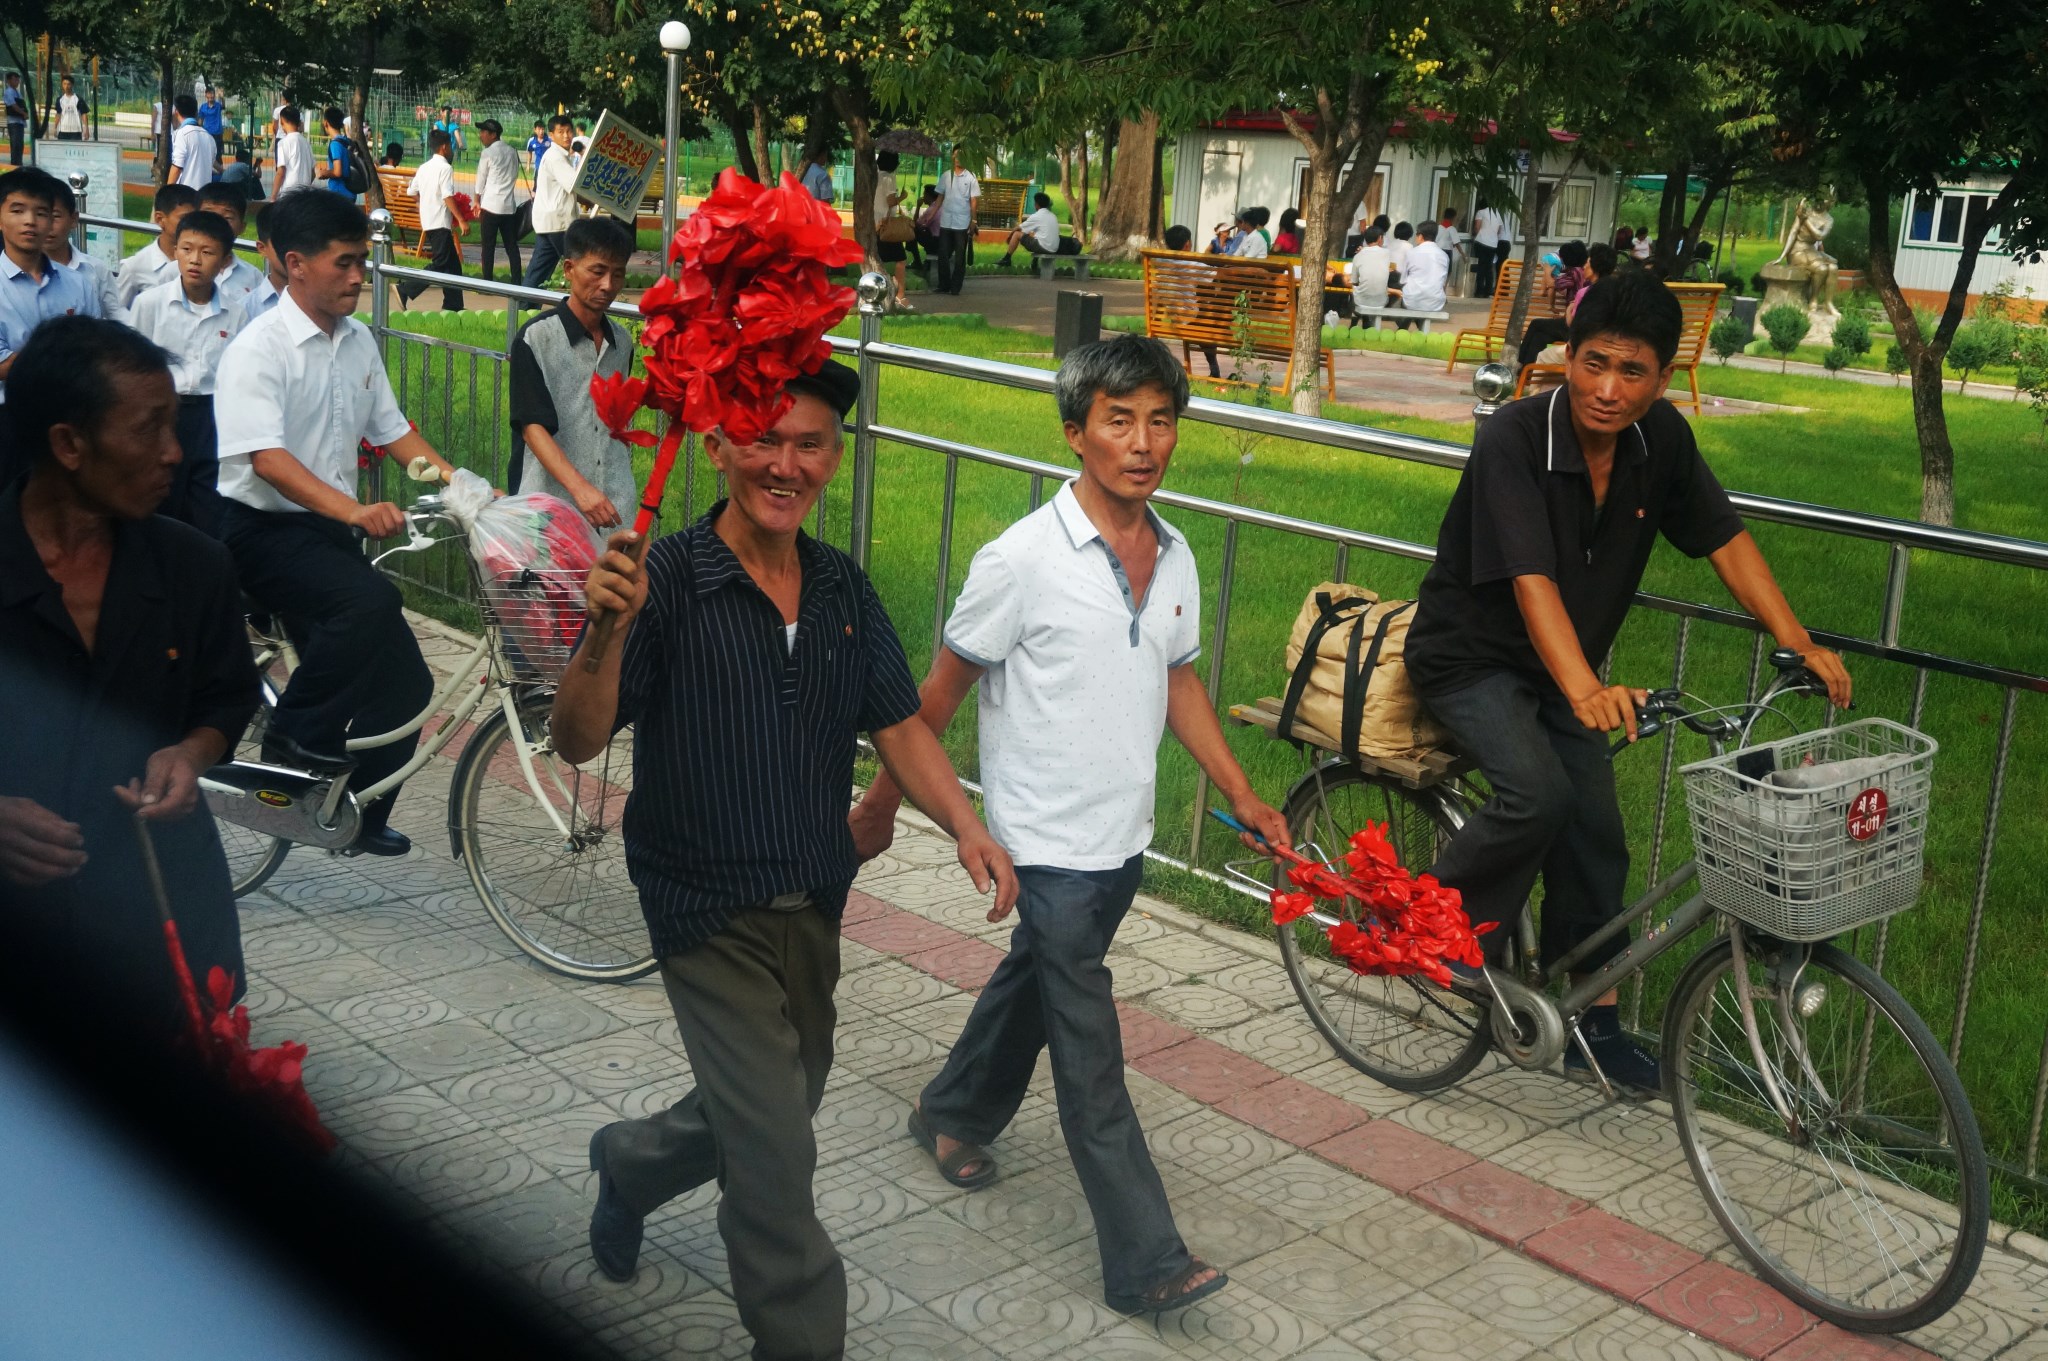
x=279 y=750
x=614 y=1230
x=383 y=841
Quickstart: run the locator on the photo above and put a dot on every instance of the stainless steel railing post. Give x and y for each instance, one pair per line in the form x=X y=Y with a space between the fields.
x=1219 y=637
x=873 y=290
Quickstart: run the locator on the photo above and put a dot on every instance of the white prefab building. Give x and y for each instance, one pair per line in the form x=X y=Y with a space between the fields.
x=1930 y=244
x=1251 y=159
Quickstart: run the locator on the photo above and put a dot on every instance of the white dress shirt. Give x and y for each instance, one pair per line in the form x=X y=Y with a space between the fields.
x=194 y=154
x=554 y=184
x=1397 y=251
x=144 y=269
x=956 y=200
x=100 y=280
x=294 y=163
x=1073 y=697
x=237 y=282
x=196 y=334
x=1367 y=274
x=1486 y=227
x=1043 y=226
x=71 y=114
x=1422 y=282
x=260 y=300
x=294 y=387
x=431 y=184
x=497 y=178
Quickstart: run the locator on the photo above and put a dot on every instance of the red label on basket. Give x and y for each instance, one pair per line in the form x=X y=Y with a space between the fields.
x=1866 y=814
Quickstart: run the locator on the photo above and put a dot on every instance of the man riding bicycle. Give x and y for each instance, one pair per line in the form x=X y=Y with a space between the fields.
x=1538 y=558
x=299 y=390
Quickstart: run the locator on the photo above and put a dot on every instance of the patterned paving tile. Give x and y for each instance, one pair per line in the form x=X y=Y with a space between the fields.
x=853 y=1198
x=1974 y=1331
x=1293 y=1112
x=1629 y=1335
x=1145 y=1033
x=572 y=1279
x=1545 y=1097
x=1392 y=1155
x=1200 y=1007
x=870 y=1299
x=1525 y=1298
x=1285 y=1040
x=1214 y=1146
x=1669 y=1204
x=1409 y=1243
x=291 y=941
x=1500 y=1204
x=516 y=1091
x=462 y=1171
x=1225 y=1228
x=331 y=978
x=1027 y=1214
x=1320 y=1281
x=1341 y=1080
x=1187 y=956
x=622 y=1063
x=1203 y=1069
x=1262 y=982
x=1305 y=1190
x=560 y=1140
x=1235 y=1323
x=914 y=1335
x=900 y=933
x=1026 y=1315
x=447 y=1050
x=494 y=986
x=855 y=1117
x=534 y=1223
x=1829 y=1343
x=1426 y=1327
x=1465 y=1122
x=2032 y=1347
x=387 y=1013
x=1133 y=976
x=397 y=1122
x=888 y=988
x=930 y=1256
x=551 y=1022
x=1610 y=1254
x=336 y=1074
x=428 y=955
x=1725 y=1306
x=964 y=964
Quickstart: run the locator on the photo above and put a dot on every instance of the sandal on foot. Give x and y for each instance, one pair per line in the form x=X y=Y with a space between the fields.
x=950 y=1165
x=1173 y=1293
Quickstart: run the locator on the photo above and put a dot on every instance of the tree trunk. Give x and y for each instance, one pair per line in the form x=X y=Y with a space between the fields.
x=1125 y=225
x=742 y=144
x=359 y=110
x=1324 y=164
x=1066 y=157
x=1081 y=204
x=1535 y=203
x=161 y=163
x=852 y=106
x=762 y=167
x=1937 y=455
x=1155 y=195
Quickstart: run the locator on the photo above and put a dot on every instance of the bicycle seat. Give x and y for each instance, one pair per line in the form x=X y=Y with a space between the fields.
x=279 y=750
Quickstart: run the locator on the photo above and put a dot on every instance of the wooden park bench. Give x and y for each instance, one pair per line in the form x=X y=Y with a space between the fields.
x=1001 y=205
x=1049 y=265
x=1699 y=303
x=1193 y=299
x=1491 y=338
x=405 y=212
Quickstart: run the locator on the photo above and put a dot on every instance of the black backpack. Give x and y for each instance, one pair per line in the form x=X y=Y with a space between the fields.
x=354 y=175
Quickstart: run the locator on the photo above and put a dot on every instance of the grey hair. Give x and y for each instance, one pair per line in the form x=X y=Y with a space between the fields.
x=1117 y=367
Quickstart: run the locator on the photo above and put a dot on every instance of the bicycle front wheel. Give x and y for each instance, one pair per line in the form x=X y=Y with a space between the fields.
x=1870 y=1206
x=545 y=851
x=254 y=856
x=1406 y=1032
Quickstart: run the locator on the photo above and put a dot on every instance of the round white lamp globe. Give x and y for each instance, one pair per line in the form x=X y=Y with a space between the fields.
x=675 y=36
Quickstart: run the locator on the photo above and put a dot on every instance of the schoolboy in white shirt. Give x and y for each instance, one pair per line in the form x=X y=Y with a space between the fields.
x=293 y=153
x=190 y=318
x=238 y=278
x=152 y=264
x=264 y=296
x=97 y=273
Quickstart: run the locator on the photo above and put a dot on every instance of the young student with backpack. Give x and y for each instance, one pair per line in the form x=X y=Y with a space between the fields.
x=341 y=170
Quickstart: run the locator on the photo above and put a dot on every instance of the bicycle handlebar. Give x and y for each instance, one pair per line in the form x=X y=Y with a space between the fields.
x=1665 y=706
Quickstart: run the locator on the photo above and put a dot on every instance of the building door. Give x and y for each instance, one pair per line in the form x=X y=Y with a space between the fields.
x=1220 y=174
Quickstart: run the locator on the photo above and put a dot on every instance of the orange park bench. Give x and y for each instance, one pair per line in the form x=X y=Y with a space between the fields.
x=1193 y=299
x=407 y=234
x=1491 y=339
x=1699 y=303
x=1001 y=206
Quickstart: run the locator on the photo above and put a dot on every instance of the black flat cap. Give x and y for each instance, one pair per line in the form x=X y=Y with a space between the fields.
x=833 y=384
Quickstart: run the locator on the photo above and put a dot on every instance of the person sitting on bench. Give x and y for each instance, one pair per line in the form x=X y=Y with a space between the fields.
x=1039 y=233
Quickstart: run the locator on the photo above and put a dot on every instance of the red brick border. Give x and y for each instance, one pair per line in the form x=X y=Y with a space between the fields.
x=1663 y=1278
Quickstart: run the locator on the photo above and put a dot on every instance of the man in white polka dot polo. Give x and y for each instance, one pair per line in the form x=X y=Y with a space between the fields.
x=1081 y=624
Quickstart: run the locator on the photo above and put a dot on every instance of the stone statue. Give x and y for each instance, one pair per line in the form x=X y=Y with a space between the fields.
x=1804 y=267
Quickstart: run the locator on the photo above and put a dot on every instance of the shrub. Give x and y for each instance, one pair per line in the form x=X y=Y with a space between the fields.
x=2033 y=372
x=1730 y=280
x=1728 y=337
x=1977 y=344
x=1895 y=361
x=1837 y=358
x=1852 y=333
x=1786 y=326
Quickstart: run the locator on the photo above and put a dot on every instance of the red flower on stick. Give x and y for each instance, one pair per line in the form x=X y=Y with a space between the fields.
x=1406 y=925
x=618 y=400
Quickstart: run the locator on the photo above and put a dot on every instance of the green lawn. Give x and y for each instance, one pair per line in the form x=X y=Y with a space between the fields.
x=1852 y=447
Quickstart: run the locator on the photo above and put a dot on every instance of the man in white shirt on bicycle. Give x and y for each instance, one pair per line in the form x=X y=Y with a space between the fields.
x=299 y=390
x=1538 y=560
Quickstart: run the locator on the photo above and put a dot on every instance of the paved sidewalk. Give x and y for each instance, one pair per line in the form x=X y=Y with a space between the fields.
x=1516 y=1216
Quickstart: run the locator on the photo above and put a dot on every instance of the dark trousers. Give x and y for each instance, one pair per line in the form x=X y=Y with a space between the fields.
x=547 y=253
x=1052 y=992
x=501 y=227
x=360 y=670
x=1540 y=333
x=1553 y=812
x=754 y=1005
x=195 y=496
x=14 y=132
x=953 y=246
x=443 y=257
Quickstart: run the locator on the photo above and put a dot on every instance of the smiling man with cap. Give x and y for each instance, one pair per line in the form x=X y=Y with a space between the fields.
x=753 y=657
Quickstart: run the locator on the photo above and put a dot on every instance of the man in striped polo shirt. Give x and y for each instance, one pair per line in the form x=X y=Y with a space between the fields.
x=752 y=657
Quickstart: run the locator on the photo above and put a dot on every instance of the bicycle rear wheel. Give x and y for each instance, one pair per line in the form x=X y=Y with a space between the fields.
x=254 y=856
x=552 y=874
x=1406 y=1032
x=1873 y=1213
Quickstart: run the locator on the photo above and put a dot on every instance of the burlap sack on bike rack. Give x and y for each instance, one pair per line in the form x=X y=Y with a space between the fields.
x=1349 y=680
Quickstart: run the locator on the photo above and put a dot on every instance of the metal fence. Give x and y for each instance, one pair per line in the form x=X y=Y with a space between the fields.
x=455 y=392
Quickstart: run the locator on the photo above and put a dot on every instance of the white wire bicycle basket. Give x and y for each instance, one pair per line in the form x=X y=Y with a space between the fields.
x=1817 y=834
x=538 y=612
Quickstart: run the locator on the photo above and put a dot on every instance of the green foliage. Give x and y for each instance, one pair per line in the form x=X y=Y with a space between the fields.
x=1728 y=337
x=1895 y=362
x=1837 y=358
x=1980 y=342
x=1852 y=333
x=2032 y=381
x=1786 y=326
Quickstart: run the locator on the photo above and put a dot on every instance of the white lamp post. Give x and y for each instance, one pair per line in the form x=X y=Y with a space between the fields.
x=675 y=40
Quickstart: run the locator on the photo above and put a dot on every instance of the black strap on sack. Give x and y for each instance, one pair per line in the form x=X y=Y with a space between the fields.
x=1358 y=679
x=1297 y=685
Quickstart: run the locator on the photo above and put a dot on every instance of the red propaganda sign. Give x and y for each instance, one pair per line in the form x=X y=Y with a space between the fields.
x=1866 y=814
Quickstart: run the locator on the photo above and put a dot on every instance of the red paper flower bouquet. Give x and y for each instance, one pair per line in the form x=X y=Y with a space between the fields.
x=1403 y=925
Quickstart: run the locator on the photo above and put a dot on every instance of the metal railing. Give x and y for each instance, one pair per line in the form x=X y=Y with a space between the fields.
x=474 y=372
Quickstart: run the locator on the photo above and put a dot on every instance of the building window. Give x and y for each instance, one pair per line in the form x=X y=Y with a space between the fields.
x=1939 y=219
x=1573 y=213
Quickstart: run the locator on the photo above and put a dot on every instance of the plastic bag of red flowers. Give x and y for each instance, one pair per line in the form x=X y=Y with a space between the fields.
x=1383 y=920
x=533 y=552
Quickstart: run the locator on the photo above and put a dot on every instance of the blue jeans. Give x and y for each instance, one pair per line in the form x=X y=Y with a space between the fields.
x=1553 y=812
x=547 y=253
x=1053 y=992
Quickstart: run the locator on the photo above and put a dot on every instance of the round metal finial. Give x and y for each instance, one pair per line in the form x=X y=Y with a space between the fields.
x=380 y=224
x=675 y=36
x=1494 y=383
x=873 y=289
x=78 y=180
